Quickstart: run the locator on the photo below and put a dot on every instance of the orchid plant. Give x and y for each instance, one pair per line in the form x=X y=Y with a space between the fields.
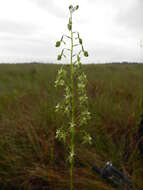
x=75 y=103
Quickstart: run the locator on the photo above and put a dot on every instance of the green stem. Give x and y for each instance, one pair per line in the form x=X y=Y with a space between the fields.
x=73 y=108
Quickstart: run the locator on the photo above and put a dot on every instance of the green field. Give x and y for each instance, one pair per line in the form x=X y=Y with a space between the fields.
x=31 y=158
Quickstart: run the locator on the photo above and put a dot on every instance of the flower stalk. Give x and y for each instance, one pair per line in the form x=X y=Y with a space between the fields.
x=75 y=87
x=73 y=108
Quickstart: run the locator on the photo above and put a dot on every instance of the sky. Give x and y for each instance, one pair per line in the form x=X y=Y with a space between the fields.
x=112 y=30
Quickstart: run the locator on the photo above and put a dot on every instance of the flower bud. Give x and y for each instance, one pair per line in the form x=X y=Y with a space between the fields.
x=85 y=53
x=70 y=25
x=70 y=7
x=58 y=43
x=80 y=41
x=59 y=57
x=77 y=7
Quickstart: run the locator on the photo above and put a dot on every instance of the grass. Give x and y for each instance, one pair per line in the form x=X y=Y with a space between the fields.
x=31 y=158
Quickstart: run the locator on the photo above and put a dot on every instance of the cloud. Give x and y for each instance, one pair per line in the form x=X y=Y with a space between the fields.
x=51 y=6
x=26 y=47
x=133 y=17
x=110 y=29
x=17 y=28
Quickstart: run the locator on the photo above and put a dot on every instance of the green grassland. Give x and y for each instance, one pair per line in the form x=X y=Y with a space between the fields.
x=31 y=158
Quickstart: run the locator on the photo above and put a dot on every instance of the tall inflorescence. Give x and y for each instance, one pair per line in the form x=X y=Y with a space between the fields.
x=74 y=106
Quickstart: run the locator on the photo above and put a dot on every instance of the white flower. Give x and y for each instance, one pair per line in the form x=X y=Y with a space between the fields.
x=61 y=77
x=87 y=139
x=71 y=156
x=61 y=135
x=84 y=117
x=81 y=86
x=83 y=99
x=68 y=95
x=58 y=107
x=72 y=125
x=67 y=110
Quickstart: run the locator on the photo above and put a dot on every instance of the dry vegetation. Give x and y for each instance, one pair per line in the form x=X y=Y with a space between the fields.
x=31 y=158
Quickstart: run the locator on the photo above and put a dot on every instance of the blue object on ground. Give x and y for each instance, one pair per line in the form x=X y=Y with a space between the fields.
x=113 y=175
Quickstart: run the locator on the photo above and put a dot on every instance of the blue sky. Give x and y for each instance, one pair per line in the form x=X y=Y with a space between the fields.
x=111 y=29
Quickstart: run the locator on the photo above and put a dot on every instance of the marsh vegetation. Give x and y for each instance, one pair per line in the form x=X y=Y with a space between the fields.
x=31 y=157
